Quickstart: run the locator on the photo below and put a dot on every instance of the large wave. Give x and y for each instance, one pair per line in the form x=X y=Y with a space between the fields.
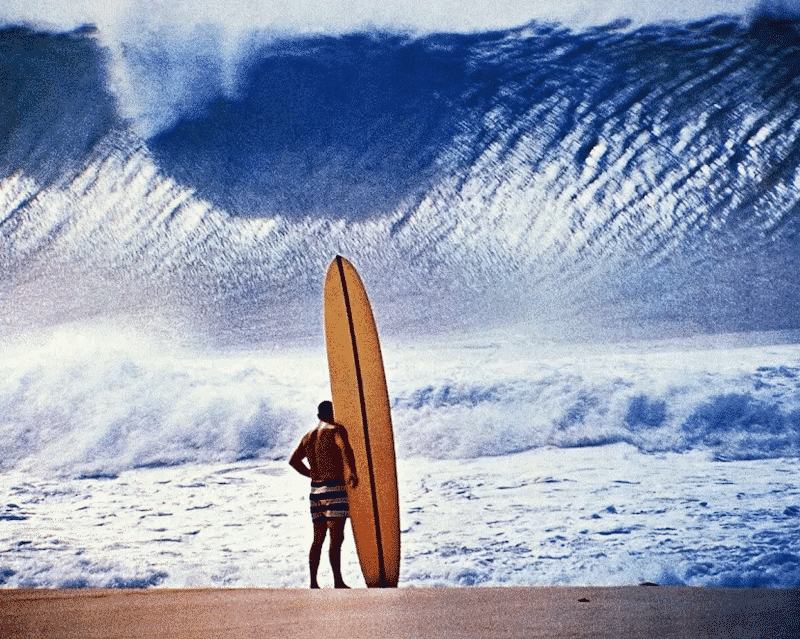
x=606 y=179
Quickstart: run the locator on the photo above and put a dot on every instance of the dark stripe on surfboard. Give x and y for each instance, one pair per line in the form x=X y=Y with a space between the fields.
x=361 y=398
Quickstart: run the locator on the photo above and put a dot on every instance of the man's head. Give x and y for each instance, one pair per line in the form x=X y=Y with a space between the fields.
x=325 y=412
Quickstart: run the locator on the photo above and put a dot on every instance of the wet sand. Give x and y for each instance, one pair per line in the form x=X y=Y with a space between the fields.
x=638 y=611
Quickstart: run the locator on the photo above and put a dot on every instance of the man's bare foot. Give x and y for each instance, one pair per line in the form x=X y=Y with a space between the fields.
x=341 y=584
x=314 y=586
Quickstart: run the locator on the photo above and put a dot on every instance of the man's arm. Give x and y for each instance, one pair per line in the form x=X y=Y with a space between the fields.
x=296 y=461
x=347 y=455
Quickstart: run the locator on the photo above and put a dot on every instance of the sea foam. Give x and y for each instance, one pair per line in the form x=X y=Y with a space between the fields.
x=97 y=401
x=96 y=405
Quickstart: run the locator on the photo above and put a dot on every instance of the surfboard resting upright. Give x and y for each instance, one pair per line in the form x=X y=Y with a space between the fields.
x=361 y=404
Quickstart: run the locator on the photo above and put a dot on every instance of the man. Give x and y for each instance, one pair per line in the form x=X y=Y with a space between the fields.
x=331 y=463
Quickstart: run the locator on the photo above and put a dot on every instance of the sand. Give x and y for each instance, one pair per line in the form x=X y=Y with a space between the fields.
x=638 y=611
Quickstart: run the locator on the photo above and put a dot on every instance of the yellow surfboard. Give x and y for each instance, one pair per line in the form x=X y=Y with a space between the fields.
x=361 y=404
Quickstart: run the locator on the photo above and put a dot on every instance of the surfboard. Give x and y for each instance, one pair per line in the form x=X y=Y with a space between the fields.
x=361 y=404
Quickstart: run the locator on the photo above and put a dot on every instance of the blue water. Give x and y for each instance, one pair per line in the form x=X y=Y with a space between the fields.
x=617 y=181
x=572 y=238
x=584 y=186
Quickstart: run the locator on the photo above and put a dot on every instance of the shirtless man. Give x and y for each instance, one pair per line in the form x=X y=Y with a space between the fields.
x=331 y=464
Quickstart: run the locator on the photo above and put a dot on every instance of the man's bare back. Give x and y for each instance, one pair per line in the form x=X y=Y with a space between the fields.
x=324 y=448
x=331 y=462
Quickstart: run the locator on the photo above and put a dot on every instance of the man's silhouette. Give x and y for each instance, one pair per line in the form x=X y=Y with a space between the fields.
x=331 y=462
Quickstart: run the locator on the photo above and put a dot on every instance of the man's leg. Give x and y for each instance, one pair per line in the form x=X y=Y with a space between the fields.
x=320 y=528
x=336 y=526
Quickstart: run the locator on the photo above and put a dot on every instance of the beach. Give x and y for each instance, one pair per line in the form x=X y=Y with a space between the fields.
x=635 y=611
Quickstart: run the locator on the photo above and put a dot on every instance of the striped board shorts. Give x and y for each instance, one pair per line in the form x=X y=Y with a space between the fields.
x=328 y=499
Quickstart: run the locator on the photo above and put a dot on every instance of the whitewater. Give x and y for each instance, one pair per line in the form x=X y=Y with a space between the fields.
x=580 y=241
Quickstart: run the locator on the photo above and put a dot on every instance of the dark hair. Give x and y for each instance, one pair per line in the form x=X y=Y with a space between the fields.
x=325 y=411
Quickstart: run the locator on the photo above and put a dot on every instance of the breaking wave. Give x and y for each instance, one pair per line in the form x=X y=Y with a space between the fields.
x=610 y=179
x=97 y=402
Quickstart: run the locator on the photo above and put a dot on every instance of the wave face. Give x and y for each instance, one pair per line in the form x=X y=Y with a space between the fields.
x=601 y=181
x=55 y=104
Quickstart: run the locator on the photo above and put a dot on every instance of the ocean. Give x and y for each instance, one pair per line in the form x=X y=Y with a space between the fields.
x=580 y=243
